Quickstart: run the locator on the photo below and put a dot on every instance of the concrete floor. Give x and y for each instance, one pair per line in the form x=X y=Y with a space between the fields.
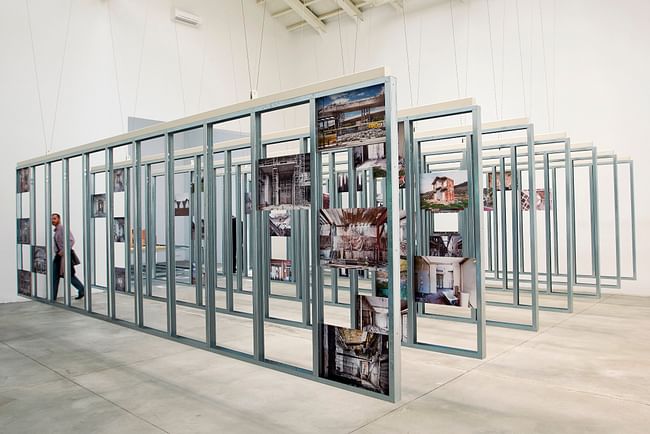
x=64 y=372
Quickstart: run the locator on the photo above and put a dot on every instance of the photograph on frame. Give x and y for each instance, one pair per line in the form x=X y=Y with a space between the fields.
x=284 y=182
x=280 y=269
x=446 y=281
x=381 y=281
x=488 y=199
x=118 y=180
x=444 y=191
x=39 y=259
x=119 y=233
x=540 y=200
x=23 y=180
x=248 y=203
x=24 y=231
x=99 y=205
x=24 y=283
x=447 y=244
x=280 y=223
x=371 y=157
x=120 y=279
x=353 y=238
x=372 y=313
x=342 y=183
x=356 y=357
x=352 y=118
x=182 y=206
x=508 y=176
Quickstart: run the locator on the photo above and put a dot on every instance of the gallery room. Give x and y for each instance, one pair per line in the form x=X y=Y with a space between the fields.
x=403 y=216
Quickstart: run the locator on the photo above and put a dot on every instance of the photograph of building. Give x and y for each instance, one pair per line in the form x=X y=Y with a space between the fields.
x=353 y=238
x=353 y=118
x=488 y=199
x=281 y=269
x=448 y=281
x=22 y=183
x=24 y=231
x=356 y=357
x=118 y=180
x=119 y=233
x=508 y=176
x=371 y=157
x=39 y=259
x=372 y=313
x=99 y=205
x=444 y=191
x=540 y=200
x=280 y=223
x=448 y=244
x=120 y=279
x=24 y=282
x=284 y=182
x=381 y=280
x=182 y=206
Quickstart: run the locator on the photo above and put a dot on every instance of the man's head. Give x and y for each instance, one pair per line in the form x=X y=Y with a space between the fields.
x=56 y=219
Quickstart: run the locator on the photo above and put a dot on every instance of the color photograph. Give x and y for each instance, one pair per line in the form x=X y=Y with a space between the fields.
x=540 y=200
x=182 y=206
x=356 y=357
x=284 y=182
x=352 y=118
x=444 y=191
x=119 y=233
x=24 y=283
x=22 y=183
x=24 y=231
x=120 y=279
x=371 y=157
x=280 y=223
x=508 y=176
x=488 y=199
x=99 y=205
x=447 y=281
x=342 y=183
x=353 y=238
x=280 y=269
x=39 y=259
x=448 y=244
x=372 y=313
x=118 y=180
x=381 y=280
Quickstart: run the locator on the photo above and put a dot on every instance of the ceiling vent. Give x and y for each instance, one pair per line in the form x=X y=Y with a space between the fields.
x=186 y=18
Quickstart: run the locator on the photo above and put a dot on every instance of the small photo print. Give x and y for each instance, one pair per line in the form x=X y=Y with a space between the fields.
x=119 y=233
x=280 y=223
x=444 y=191
x=39 y=259
x=508 y=176
x=118 y=180
x=24 y=283
x=381 y=281
x=371 y=157
x=488 y=199
x=248 y=203
x=342 y=183
x=447 y=244
x=284 y=182
x=24 y=231
x=281 y=269
x=353 y=238
x=356 y=357
x=540 y=200
x=182 y=206
x=120 y=279
x=447 y=281
x=372 y=313
x=350 y=119
x=99 y=205
x=23 y=180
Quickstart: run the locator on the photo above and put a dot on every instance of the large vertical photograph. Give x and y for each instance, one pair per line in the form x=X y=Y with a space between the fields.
x=353 y=238
x=356 y=357
x=22 y=181
x=24 y=231
x=98 y=205
x=448 y=244
x=447 y=281
x=284 y=182
x=120 y=279
x=118 y=180
x=119 y=231
x=24 y=283
x=39 y=259
x=444 y=191
x=280 y=223
x=352 y=118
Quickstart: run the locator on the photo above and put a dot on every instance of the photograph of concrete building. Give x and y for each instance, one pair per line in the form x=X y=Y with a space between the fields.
x=353 y=238
x=508 y=176
x=448 y=281
x=449 y=244
x=22 y=183
x=119 y=233
x=371 y=157
x=356 y=357
x=353 y=118
x=444 y=191
x=24 y=282
x=24 y=231
x=118 y=180
x=281 y=269
x=284 y=182
x=280 y=223
x=39 y=259
x=99 y=205
x=120 y=279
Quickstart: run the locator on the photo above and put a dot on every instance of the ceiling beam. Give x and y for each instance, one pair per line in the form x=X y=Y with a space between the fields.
x=351 y=9
x=289 y=10
x=307 y=15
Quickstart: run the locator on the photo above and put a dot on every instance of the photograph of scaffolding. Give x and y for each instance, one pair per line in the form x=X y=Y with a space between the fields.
x=284 y=182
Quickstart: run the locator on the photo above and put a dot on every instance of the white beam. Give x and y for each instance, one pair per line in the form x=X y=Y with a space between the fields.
x=351 y=9
x=306 y=15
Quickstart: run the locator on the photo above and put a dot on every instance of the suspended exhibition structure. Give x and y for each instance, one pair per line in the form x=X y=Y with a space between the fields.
x=353 y=235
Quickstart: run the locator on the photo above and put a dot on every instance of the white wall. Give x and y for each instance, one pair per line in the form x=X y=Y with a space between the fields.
x=120 y=58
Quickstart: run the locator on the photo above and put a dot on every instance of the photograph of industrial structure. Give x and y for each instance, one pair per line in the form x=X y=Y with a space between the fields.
x=24 y=231
x=120 y=279
x=356 y=357
x=449 y=244
x=381 y=280
x=353 y=118
x=444 y=191
x=22 y=183
x=371 y=157
x=448 y=281
x=353 y=238
x=540 y=200
x=99 y=205
x=284 y=182
x=118 y=180
x=24 y=282
x=119 y=233
x=280 y=223
x=280 y=269
x=182 y=206
x=39 y=259
x=508 y=177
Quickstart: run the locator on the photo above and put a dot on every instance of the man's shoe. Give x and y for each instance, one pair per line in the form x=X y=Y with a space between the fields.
x=79 y=296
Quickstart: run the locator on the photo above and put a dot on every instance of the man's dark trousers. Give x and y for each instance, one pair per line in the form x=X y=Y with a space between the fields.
x=56 y=267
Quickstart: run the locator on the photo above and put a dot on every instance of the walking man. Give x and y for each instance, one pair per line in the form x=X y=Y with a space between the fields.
x=58 y=264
